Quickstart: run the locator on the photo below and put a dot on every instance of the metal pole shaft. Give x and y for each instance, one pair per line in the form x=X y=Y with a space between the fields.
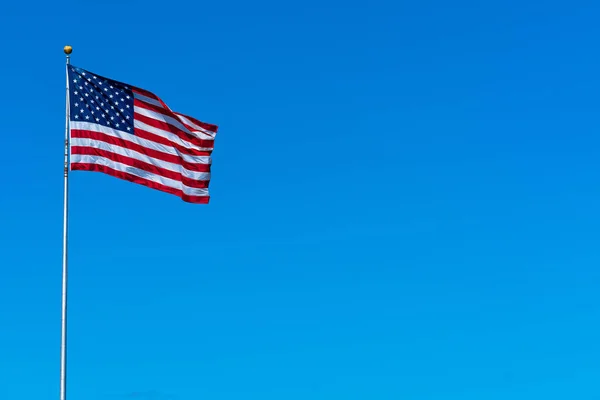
x=63 y=341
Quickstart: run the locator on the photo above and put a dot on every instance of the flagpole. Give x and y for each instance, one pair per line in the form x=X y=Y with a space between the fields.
x=63 y=337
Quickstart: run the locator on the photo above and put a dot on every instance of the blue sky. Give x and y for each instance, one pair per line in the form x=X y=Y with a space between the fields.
x=405 y=204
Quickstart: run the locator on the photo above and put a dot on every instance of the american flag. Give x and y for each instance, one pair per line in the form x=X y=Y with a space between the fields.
x=131 y=134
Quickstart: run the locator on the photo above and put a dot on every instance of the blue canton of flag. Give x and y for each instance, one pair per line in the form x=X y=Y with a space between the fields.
x=97 y=99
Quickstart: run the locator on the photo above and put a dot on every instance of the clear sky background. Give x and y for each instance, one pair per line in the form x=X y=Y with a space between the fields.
x=405 y=203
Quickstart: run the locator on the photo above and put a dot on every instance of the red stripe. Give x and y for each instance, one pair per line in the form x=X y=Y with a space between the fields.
x=165 y=110
x=143 y=134
x=136 y=179
x=152 y=107
x=146 y=93
x=187 y=136
x=85 y=134
x=207 y=126
x=133 y=162
x=176 y=131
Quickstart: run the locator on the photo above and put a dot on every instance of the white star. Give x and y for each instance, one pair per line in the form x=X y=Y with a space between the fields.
x=116 y=102
x=91 y=101
x=89 y=79
x=100 y=83
x=123 y=121
x=111 y=87
x=76 y=115
x=102 y=115
x=117 y=125
x=76 y=104
x=112 y=107
x=97 y=97
x=108 y=122
x=128 y=128
x=83 y=73
x=92 y=111
x=111 y=96
x=97 y=108
x=86 y=83
x=101 y=104
x=87 y=95
x=80 y=87
x=82 y=110
x=122 y=99
x=127 y=116
x=122 y=110
x=111 y=118
x=74 y=80
x=127 y=106
x=76 y=93
x=105 y=89
x=97 y=119
x=127 y=97
x=81 y=99
x=87 y=117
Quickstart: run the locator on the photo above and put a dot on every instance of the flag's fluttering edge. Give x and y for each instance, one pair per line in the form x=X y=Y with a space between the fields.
x=131 y=134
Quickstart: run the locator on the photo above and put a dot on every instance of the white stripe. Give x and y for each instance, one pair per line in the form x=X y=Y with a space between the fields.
x=85 y=159
x=98 y=144
x=188 y=122
x=89 y=126
x=166 y=134
x=171 y=121
x=191 y=127
x=148 y=100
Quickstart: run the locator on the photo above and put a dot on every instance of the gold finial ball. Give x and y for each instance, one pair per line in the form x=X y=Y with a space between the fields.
x=68 y=50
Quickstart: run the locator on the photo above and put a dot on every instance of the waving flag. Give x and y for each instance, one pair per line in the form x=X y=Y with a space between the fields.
x=131 y=134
